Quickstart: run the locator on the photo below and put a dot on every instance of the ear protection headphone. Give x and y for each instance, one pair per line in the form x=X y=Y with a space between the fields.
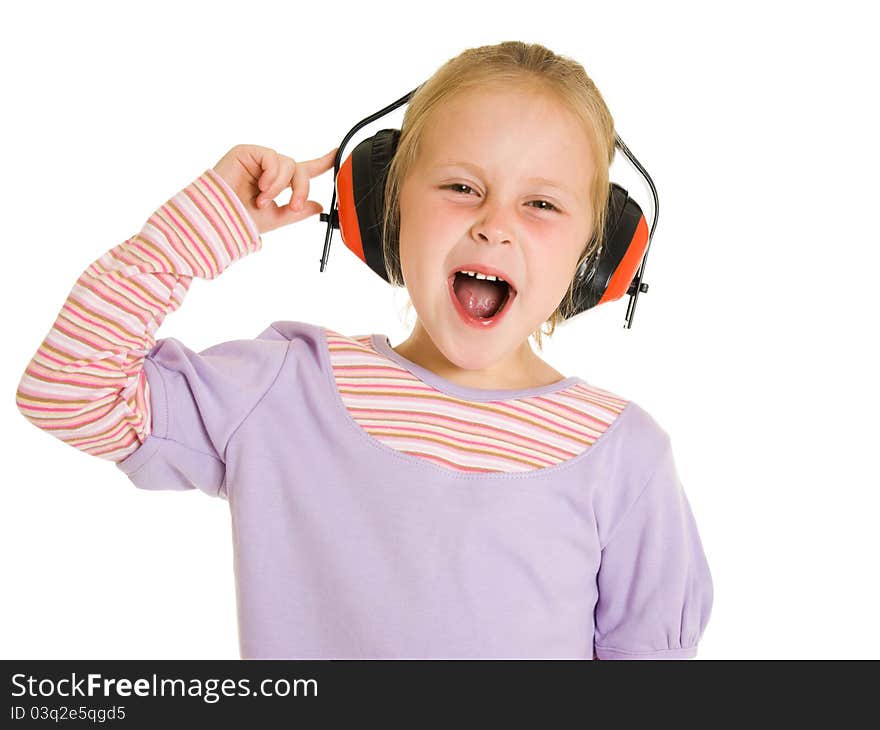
x=616 y=269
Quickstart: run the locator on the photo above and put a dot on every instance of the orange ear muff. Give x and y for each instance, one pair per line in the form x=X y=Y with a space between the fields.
x=360 y=185
x=610 y=274
x=348 y=221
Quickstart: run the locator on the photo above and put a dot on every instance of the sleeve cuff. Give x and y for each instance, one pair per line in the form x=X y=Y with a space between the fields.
x=159 y=423
x=686 y=652
x=242 y=218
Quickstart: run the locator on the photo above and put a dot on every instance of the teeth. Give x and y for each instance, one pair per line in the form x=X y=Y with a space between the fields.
x=478 y=275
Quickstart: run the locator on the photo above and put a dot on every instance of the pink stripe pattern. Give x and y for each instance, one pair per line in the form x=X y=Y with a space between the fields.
x=395 y=407
x=86 y=384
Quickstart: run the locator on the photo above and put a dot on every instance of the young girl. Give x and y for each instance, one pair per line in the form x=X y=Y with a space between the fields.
x=452 y=496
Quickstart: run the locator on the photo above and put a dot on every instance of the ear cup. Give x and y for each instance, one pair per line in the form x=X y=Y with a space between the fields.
x=607 y=276
x=360 y=186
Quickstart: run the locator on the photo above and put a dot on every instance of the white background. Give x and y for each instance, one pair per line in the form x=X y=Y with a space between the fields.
x=753 y=348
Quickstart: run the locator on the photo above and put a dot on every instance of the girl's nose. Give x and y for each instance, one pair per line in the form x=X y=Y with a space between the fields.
x=493 y=225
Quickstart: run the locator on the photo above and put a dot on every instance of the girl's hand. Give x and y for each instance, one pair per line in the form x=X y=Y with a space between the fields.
x=257 y=174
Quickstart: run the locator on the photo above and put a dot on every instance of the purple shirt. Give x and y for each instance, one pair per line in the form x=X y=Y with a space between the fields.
x=347 y=548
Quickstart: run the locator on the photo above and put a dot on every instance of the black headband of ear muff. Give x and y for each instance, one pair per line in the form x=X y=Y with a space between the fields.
x=616 y=269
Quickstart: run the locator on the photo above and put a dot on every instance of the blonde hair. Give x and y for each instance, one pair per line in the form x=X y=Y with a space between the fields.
x=507 y=62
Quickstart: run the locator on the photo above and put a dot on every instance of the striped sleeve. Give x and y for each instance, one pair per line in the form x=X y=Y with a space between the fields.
x=86 y=383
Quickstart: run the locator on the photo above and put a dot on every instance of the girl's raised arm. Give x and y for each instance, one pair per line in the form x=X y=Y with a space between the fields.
x=86 y=384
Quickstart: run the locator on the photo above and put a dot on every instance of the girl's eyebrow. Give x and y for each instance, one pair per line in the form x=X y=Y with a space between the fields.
x=479 y=171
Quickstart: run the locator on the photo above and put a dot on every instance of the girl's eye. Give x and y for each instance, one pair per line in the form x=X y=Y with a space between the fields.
x=458 y=185
x=552 y=207
x=462 y=185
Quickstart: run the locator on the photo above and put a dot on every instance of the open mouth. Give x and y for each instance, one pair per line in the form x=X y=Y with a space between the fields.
x=480 y=300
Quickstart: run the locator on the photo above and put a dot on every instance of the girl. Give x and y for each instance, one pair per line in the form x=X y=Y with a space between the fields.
x=453 y=496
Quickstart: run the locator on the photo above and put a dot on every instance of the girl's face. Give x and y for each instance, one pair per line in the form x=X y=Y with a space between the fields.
x=487 y=160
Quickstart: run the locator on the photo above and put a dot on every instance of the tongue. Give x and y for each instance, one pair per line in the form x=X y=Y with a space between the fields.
x=479 y=297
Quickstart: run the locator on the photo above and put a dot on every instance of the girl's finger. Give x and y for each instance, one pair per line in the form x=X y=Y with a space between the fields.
x=269 y=163
x=320 y=164
x=284 y=172
x=303 y=172
x=282 y=215
x=300 y=186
